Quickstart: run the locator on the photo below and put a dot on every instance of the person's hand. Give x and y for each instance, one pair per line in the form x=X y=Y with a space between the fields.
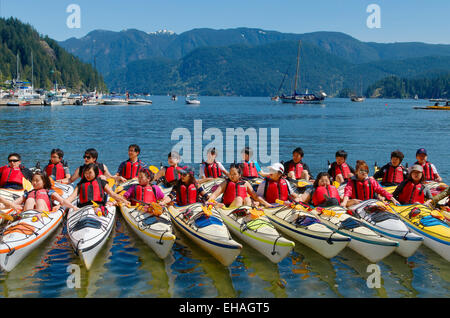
x=393 y=200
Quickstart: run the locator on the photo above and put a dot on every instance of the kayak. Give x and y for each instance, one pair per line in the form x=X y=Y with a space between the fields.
x=155 y=230
x=24 y=235
x=10 y=195
x=88 y=229
x=365 y=241
x=419 y=218
x=374 y=215
x=257 y=231
x=307 y=229
x=208 y=232
x=299 y=186
x=211 y=185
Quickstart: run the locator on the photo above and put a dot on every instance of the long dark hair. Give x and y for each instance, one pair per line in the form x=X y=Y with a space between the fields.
x=320 y=175
x=45 y=179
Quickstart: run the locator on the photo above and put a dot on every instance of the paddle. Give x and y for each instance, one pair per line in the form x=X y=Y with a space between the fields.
x=155 y=208
x=153 y=169
x=207 y=210
x=6 y=216
x=256 y=213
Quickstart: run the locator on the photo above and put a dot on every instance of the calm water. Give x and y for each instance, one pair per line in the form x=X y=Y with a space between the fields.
x=126 y=267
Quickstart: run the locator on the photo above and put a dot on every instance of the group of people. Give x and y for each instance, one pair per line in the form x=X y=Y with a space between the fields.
x=238 y=188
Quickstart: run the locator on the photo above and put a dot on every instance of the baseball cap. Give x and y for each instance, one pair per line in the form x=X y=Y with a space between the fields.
x=186 y=170
x=420 y=151
x=417 y=168
x=276 y=167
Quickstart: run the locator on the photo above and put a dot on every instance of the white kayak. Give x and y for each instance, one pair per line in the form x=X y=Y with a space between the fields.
x=257 y=231
x=388 y=224
x=155 y=231
x=208 y=232
x=24 y=235
x=307 y=229
x=9 y=195
x=365 y=241
x=88 y=231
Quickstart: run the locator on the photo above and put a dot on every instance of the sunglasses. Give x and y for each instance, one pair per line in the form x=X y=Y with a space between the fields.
x=87 y=157
x=14 y=160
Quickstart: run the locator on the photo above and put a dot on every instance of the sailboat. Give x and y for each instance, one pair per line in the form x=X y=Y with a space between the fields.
x=359 y=98
x=306 y=98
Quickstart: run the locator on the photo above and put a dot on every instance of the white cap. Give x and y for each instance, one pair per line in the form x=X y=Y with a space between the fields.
x=276 y=167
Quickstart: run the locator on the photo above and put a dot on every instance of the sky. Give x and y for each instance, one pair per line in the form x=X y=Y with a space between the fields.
x=398 y=20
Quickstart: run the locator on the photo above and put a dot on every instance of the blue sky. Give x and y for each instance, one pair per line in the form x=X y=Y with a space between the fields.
x=401 y=20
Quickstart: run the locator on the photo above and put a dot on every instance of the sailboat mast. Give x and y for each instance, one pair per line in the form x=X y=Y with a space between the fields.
x=32 y=72
x=298 y=66
x=17 y=66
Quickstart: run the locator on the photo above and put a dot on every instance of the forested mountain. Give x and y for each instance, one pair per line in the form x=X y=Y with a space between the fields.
x=260 y=70
x=114 y=50
x=396 y=87
x=50 y=61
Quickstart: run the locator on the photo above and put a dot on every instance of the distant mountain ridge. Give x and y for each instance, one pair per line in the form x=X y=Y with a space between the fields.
x=259 y=70
x=114 y=50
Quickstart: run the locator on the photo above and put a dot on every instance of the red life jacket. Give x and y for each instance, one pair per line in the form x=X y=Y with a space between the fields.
x=427 y=171
x=91 y=191
x=319 y=194
x=172 y=174
x=249 y=169
x=343 y=169
x=276 y=190
x=146 y=194
x=187 y=195
x=412 y=193
x=234 y=190
x=393 y=174
x=101 y=169
x=212 y=170
x=130 y=169
x=363 y=190
x=41 y=194
x=56 y=170
x=297 y=168
x=11 y=175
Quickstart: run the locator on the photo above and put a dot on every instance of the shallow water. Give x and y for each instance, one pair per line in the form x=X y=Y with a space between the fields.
x=126 y=267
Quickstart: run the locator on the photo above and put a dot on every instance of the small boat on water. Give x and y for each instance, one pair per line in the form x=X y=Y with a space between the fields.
x=115 y=101
x=174 y=97
x=18 y=103
x=137 y=101
x=357 y=98
x=192 y=99
x=306 y=98
x=436 y=106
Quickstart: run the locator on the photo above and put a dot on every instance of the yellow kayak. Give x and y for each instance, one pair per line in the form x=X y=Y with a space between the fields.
x=429 y=224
